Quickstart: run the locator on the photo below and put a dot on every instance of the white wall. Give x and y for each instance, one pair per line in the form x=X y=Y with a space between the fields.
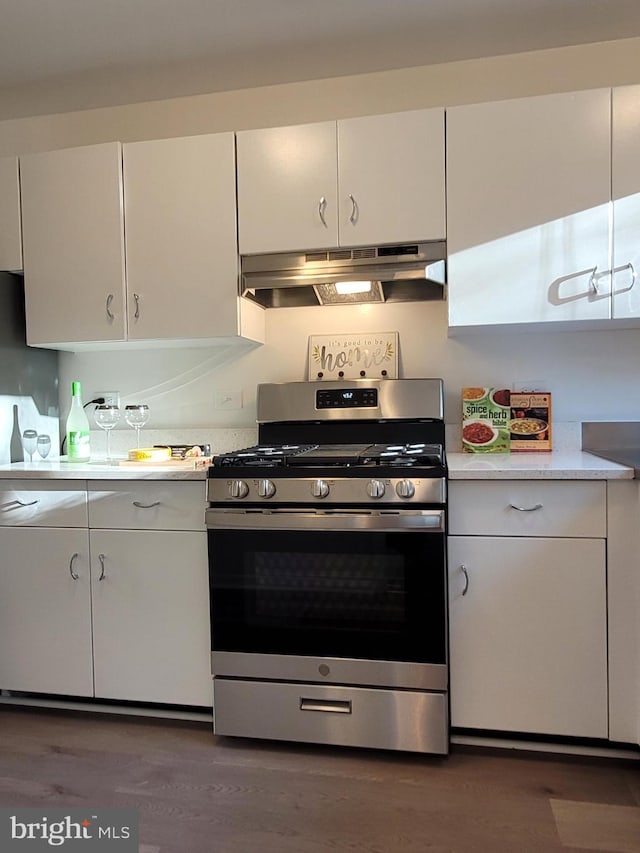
x=592 y=374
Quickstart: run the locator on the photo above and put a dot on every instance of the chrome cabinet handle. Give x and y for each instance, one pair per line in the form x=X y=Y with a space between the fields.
x=631 y=269
x=337 y=706
x=146 y=506
x=526 y=508
x=102 y=573
x=25 y=503
x=73 y=574
x=322 y=206
x=634 y=274
x=110 y=314
x=354 y=210
x=465 y=572
x=594 y=278
x=136 y=298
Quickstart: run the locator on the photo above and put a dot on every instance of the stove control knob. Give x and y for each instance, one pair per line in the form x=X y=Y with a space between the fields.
x=375 y=488
x=405 y=489
x=266 y=488
x=319 y=489
x=238 y=489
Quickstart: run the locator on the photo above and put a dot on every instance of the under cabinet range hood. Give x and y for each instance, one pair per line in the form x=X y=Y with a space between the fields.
x=401 y=273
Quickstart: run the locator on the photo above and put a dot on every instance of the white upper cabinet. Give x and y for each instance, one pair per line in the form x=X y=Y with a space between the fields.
x=354 y=182
x=287 y=188
x=73 y=240
x=176 y=204
x=625 y=180
x=528 y=191
x=391 y=178
x=10 y=229
x=181 y=244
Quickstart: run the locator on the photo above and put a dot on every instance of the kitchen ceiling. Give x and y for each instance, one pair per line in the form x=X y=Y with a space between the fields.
x=102 y=52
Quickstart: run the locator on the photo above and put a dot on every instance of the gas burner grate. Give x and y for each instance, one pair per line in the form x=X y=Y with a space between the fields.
x=267 y=455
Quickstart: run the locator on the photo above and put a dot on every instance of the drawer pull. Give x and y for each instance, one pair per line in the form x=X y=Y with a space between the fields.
x=18 y=502
x=337 y=706
x=526 y=508
x=73 y=574
x=146 y=506
x=102 y=575
x=464 y=571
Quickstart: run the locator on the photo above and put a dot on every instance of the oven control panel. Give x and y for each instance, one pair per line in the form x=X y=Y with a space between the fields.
x=347 y=398
x=329 y=490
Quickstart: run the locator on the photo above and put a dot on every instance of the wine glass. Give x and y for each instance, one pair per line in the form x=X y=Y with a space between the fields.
x=43 y=445
x=107 y=417
x=136 y=416
x=29 y=438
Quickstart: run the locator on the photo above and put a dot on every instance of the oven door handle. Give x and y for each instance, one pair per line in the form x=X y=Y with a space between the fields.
x=379 y=521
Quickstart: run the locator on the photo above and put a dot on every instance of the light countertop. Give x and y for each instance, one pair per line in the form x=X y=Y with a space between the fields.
x=555 y=465
x=98 y=470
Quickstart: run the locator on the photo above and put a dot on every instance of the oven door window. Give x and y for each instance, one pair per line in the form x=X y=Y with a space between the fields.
x=368 y=595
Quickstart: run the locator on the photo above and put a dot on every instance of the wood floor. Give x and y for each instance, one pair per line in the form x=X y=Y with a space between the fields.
x=199 y=794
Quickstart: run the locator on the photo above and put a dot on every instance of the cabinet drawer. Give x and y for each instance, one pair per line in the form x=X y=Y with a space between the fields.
x=527 y=508
x=42 y=504
x=340 y=716
x=156 y=505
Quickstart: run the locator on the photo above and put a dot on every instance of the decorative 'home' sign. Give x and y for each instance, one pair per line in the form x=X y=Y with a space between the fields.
x=353 y=355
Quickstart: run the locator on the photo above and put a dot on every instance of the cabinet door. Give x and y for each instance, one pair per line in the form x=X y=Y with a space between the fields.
x=625 y=179
x=528 y=189
x=287 y=188
x=528 y=642
x=181 y=244
x=10 y=230
x=151 y=635
x=45 y=611
x=73 y=239
x=391 y=178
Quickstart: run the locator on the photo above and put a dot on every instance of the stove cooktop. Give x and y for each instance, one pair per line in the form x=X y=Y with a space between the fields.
x=334 y=455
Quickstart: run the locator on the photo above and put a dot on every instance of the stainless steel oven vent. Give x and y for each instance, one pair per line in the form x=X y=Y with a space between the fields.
x=405 y=272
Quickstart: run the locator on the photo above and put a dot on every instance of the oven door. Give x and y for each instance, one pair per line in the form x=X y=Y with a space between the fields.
x=339 y=587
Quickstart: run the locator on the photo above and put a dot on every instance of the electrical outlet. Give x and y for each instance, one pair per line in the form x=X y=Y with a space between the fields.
x=228 y=400
x=111 y=398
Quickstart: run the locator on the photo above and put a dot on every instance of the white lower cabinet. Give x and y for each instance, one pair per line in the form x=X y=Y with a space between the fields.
x=151 y=616
x=104 y=591
x=528 y=624
x=45 y=611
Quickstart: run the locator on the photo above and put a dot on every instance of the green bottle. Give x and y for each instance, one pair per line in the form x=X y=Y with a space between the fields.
x=77 y=427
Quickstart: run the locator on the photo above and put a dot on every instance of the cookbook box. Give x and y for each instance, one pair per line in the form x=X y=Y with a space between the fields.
x=486 y=414
x=530 y=421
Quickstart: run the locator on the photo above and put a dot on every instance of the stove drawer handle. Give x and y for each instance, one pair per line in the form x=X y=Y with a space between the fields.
x=335 y=706
x=140 y=505
x=526 y=508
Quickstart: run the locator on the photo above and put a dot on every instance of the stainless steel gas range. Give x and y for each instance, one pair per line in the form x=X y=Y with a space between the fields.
x=327 y=568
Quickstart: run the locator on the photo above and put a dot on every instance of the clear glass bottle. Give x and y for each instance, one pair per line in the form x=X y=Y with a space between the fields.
x=78 y=448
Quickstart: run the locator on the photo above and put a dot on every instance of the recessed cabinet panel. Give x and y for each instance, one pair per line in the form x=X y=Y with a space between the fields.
x=151 y=637
x=41 y=503
x=528 y=191
x=528 y=508
x=73 y=241
x=45 y=612
x=10 y=226
x=182 y=259
x=152 y=505
x=391 y=178
x=625 y=175
x=528 y=635
x=287 y=188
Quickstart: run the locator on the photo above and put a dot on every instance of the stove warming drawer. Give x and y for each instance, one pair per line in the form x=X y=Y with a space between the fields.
x=405 y=720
